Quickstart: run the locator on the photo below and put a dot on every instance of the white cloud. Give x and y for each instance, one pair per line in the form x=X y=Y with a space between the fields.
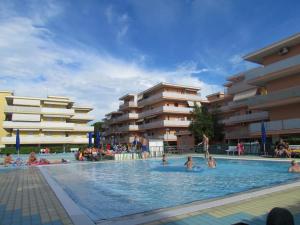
x=33 y=65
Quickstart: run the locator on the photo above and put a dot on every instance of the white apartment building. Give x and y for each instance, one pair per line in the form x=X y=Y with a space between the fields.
x=44 y=121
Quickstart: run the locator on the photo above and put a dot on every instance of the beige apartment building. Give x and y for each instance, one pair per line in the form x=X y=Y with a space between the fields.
x=270 y=93
x=156 y=113
x=47 y=121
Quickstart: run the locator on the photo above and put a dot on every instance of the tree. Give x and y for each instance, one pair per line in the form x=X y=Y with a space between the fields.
x=218 y=127
x=98 y=126
x=202 y=123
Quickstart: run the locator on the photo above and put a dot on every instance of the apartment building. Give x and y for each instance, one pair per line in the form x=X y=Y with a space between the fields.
x=156 y=113
x=47 y=121
x=270 y=93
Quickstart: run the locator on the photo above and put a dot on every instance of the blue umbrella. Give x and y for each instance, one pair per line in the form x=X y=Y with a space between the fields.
x=97 y=139
x=90 y=139
x=263 y=136
x=18 y=144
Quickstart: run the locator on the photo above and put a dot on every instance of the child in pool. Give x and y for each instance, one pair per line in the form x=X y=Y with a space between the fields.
x=189 y=163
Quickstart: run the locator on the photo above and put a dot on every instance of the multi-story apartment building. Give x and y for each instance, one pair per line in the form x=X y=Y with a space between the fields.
x=43 y=121
x=156 y=113
x=270 y=93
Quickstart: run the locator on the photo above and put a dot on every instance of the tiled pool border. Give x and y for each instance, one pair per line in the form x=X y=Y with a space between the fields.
x=80 y=218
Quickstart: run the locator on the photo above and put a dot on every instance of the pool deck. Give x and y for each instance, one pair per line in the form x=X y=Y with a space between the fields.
x=27 y=199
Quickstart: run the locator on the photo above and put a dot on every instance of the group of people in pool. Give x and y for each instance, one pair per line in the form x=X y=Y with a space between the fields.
x=211 y=162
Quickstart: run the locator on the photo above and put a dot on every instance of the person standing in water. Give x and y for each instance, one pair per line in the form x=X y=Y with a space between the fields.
x=205 y=142
x=189 y=163
x=164 y=159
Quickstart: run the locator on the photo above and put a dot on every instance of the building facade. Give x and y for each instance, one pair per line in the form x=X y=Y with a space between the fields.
x=156 y=113
x=47 y=121
x=269 y=93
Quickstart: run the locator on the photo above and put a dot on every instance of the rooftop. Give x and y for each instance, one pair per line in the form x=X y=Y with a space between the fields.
x=258 y=55
x=162 y=84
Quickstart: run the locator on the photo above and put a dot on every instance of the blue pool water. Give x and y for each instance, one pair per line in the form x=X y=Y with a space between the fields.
x=113 y=189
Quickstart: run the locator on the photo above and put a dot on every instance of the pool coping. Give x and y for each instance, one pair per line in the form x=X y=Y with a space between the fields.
x=76 y=214
x=79 y=217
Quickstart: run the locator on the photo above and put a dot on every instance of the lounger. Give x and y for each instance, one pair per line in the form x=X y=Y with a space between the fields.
x=232 y=149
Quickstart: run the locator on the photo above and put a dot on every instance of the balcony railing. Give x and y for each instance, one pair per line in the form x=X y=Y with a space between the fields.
x=124 y=117
x=247 y=118
x=165 y=123
x=276 y=96
x=83 y=128
x=127 y=105
x=82 y=116
x=57 y=111
x=276 y=126
x=22 y=109
x=127 y=128
x=45 y=140
x=166 y=109
x=274 y=67
x=239 y=87
x=169 y=95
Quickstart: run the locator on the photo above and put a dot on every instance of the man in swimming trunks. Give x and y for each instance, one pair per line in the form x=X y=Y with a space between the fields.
x=295 y=168
x=189 y=163
x=205 y=142
x=32 y=158
x=211 y=162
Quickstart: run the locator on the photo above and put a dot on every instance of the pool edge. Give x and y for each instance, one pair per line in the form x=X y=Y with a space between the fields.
x=77 y=216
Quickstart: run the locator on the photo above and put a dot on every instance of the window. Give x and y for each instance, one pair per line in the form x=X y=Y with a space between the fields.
x=176 y=104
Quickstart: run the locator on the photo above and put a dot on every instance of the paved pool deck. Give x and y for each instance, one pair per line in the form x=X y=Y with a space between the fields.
x=27 y=199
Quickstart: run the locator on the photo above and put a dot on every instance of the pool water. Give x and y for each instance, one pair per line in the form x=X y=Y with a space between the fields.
x=114 y=189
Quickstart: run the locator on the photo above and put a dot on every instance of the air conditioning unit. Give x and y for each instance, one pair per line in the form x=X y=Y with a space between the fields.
x=283 y=51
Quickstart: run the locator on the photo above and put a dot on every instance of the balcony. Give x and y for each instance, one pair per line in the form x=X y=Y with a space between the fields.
x=239 y=87
x=83 y=128
x=37 y=125
x=276 y=98
x=277 y=127
x=247 y=118
x=22 y=109
x=166 y=109
x=125 y=117
x=169 y=95
x=45 y=140
x=279 y=69
x=165 y=123
x=82 y=116
x=238 y=133
x=128 y=128
x=57 y=111
x=127 y=105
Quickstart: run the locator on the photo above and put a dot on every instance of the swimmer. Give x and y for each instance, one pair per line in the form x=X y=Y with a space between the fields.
x=189 y=163
x=8 y=159
x=295 y=168
x=211 y=162
x=164 y=159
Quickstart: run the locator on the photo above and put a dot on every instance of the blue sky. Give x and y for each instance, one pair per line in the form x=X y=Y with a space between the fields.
x=96 y=51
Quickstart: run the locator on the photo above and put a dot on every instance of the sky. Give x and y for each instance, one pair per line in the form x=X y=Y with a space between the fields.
x=95 y=51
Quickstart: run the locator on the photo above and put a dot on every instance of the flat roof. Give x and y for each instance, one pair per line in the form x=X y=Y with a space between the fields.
x=41 y=99
x=6 y=91
x=114 y=112
x=214 y=94
x=257 y=56
x=83 y=107
x=126 y=96
x=163 y=84
x=236 y=77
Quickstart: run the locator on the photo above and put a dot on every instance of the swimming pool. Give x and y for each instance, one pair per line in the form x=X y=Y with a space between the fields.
x=114 y=189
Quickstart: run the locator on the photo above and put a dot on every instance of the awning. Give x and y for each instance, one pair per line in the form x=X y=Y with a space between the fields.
x=245 y=94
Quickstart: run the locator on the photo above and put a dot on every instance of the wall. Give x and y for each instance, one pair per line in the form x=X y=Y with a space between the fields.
x=3 y=133
x=285 y=112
